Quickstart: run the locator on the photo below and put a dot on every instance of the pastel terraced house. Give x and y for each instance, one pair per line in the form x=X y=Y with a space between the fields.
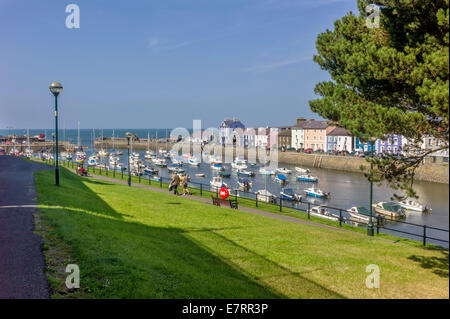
x=339 y=139
x=315 y=134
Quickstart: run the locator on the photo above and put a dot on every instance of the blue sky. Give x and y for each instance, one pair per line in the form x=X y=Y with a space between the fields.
x=158 y=64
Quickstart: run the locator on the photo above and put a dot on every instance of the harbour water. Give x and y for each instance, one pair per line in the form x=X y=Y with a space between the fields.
x=86 y=135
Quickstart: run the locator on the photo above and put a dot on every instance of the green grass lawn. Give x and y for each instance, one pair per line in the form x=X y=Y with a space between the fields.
x=137 y=243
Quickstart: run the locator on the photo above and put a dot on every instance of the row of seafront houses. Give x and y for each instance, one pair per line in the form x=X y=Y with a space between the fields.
x=317 y=136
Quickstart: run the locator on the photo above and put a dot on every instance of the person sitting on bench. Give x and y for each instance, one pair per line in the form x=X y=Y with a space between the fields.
x=82 y=171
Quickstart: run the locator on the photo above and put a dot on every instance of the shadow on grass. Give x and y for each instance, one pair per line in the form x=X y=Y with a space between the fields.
x=270 y=269
x=438 y=265
x=73 y=192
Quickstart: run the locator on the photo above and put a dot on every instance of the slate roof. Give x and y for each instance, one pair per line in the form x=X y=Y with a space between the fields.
x=339 y=131
x=312 y=124
x=234 y=123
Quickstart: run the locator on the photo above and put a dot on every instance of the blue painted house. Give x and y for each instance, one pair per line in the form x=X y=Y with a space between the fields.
x=361 y=146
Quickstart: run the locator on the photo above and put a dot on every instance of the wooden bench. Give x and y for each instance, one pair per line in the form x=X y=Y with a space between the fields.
x=217 y=201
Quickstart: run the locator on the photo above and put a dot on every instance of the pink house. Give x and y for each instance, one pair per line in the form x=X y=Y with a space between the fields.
x=315 y=134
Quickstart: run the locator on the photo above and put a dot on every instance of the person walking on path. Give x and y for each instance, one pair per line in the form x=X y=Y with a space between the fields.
x=184 y=183
x=174 y=183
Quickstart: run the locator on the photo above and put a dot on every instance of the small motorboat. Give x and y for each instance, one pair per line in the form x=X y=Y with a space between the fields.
x=322 y=212
x=103 y=153
x=265 y=171
x=150 y=171
x=92 y=161
x=175 y=168
x=118 y=153
x=283 y=170
x=307 y=178
x=315 y=192
x=121 y=166
x=217 y=182
x=411 y=204
x=302 y=170
x=149 y=155
x=193 y=161
x=239 y=164
x=244 y=172
x=177 y=161
x=288 y=194
x=361 y=213
x=224 y=174
x=217 y=166
x=160 y=162
x=244 y=184
x=264 y=195
x=102 y=166
x=154 y=178
x=280 y=178
x=200 y=175
x=390 y=209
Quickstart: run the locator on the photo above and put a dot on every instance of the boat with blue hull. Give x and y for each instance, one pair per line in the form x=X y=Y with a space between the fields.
x=244 y=183
x=307 y=178
x=280 y=178
x=288 y=194
x=154 y=178
x=244 y=172
x=315 y=192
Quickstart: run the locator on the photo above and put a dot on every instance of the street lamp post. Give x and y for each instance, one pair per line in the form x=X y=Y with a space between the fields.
x=56 y=88
x=129 y=136
x=53 y=140
x=370 y=228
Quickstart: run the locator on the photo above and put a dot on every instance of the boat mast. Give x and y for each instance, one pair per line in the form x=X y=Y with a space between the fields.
x=113 y=141
x=93 y=139
x=148 y=142
x=79 y=141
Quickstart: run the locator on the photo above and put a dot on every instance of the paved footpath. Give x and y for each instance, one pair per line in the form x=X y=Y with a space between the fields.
x=22 y=267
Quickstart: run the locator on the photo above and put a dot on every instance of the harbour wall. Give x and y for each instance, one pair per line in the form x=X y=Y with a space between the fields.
x=429 y=171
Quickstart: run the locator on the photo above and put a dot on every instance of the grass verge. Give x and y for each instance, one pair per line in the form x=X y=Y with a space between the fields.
x=137 y=243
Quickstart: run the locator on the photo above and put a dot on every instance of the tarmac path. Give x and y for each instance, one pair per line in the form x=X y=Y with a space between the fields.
x=22 y=266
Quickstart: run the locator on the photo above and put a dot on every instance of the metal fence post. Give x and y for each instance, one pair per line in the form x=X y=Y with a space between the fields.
x=256 y=200
x=160 y=182
x=201 y=189
x=121 y=170
x=340 y=217
x=309 y=207
x=139 y=177
x=281 y=204
x=424 y=235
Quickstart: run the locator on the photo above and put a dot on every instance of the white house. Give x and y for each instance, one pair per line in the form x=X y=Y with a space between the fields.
x=430 y=143
x=228 y=131
x=339 y=139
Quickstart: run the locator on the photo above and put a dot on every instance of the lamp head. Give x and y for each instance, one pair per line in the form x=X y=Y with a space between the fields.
x=55 y=88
